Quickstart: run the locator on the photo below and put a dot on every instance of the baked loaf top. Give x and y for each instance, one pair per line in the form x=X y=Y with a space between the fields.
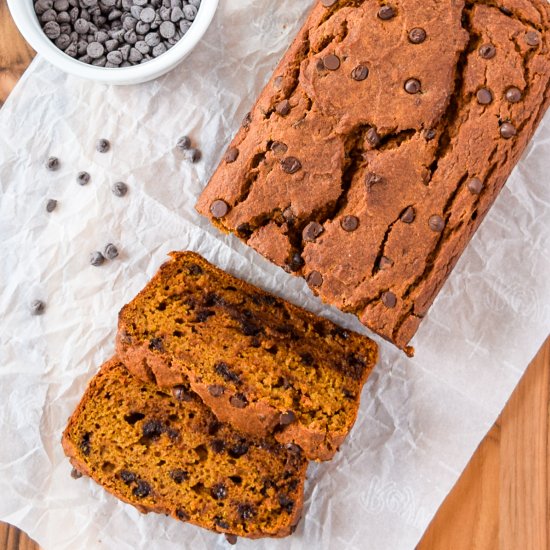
x=379 y=144
x=258 y=362
x=169 y=454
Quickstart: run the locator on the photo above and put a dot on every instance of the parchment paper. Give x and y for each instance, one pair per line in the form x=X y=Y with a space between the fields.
x=420 y=420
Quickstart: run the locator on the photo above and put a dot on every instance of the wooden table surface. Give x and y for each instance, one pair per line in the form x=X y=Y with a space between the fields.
x=501 y=500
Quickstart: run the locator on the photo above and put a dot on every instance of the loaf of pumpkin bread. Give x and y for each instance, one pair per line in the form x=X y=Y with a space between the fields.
x=261 y=364
x=380 y=143
x=168 y=454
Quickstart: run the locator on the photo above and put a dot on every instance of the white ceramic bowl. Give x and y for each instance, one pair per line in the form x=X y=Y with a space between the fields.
x=27 y=22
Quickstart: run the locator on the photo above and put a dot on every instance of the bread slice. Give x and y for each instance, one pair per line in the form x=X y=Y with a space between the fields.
x=258 y=362
x=169 y=454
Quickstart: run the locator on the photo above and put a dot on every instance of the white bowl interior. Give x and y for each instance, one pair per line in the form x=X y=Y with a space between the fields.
x=27 y=22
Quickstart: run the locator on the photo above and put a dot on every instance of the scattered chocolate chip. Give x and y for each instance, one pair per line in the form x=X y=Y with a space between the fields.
x=349 y=223
x=283 y=107
x=361 y=72
x=279 y=148
x=487 y=51
x=192 y=155
x=408 y=215
x=217 y=446
x=372 y=179
x=179 y=476
x=219 y=209
x=286 y=503
x=513 y=94
x=232 y=155
x=314 y=279
x=142 y=490
x=97 y=259
x=532 y=38
x=219 y=491
x=436 y=223
x=412 y=86
x=111 y=251
x=182 y=515
x=52 y=164
x=287 y=418
x=215 y=390
x=386 y=13
x=331 y=62
x=484 y=96
x=127 y=477
x=384 y=263
x=429 y=134
x=373 y=137
x=246 y=511
x=417 y=35
x=83 y=178
x=508 y=130
x=232 y=539
x=119 y=189
x=184 y=143
x=75 y=474
x=389 y=299
x=475 y=185
x=311 y=231
x=103 y=145
x=291 y=165
x=51 y=205
x=239 y=401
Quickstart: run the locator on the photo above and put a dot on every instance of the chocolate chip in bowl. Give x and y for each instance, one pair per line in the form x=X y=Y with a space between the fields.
x=114 y=41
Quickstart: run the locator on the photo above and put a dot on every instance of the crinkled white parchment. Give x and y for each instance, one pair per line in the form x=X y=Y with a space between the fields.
x=421 y=419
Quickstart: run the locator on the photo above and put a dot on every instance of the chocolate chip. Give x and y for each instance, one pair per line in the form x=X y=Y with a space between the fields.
x=244 y=231
x=389 y=299
x=513 y=94
x=75 y=474
x=487 y=51
x=331 y=62
x=182 y=515
x=179 y=476
x=156 y=344
x=51 y=205
x=184 y=143
x=283 y=107
x=226 y=373
x=239 y=449
x=232 y=155
x=111 y=251
x=182 y=394
x=311 y=231
x=361 y=72
x=532 y=38
x=195 y=269
x=85 y=445
x=232 y=539
x=314 y=279
x=97 y=259
x=386 y=13
x=279 y=148
x=286 y=503
x=508 y=130
x=219 y=209
x=417 y=35
x=436 y=223
x=475 y=185
x=429 y=134
x=192 y=155
x=349 y=223
x=239 y=401
x=291 y=165
x=296 y=262
x=217 y=446
x=247 y=120
x=219 y=491
x=412 y=86
x=484 y=96
x=152 y=429
x=215 y=390
x=102 y=145
x=52 y=164
x=246 y=511
x=408 y=215
x=220 y=522
x=83 y=178
x=372 y=179
x=287 y=418
x=373 y=137
x=142 y=490
x=119 y=189
x=127 y=477
x=203 y=315
x=384 y=263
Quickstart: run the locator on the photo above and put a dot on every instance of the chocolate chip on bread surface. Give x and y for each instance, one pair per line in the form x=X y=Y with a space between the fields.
x=260 y=363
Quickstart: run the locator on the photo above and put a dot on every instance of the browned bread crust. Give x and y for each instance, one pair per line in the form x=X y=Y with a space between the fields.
x=380 y=143
x=169 y=454
x=257 y=361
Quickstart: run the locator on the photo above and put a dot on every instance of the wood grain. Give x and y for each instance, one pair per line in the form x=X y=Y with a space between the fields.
x=501 y=500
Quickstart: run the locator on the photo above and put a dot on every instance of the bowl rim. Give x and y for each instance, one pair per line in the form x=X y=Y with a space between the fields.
x=27 y=22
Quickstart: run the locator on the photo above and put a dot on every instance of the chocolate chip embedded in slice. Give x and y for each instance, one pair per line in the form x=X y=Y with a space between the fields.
x=385 y=263
x=279 y=148
x=389 y=299
x=532 y=38
x=217 y=446
x=287 y=418
x=179 y=476
x=224 y=370
x=286 y=503
x=247 y=120
x=475 y=185
x=219 y=491
x=487 y=51
x=215 y=390
x=429 y=134
x=349 y=223
x=408 y=215
x=219 y=209
x=183 y=516
x=373 y=137
x=314 y=279
x=372 y=179
x=283 y=107
x=508 y=130
x=127 y=476
x=436 y=223
x=417 y=35
x=361 y=72
x=311 y=231
x=156 y=344
x=513 y=94
x=412 y=86
x=232 y=155
x=386 y=13
x=181 y=393
x=291 y=165
x=484 y=96
x=142 y=490
x=246 y=511
x=239 y=401
x=331 y=62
